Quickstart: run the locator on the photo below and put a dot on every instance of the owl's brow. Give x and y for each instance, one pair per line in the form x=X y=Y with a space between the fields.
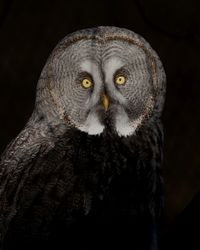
x=107 y=38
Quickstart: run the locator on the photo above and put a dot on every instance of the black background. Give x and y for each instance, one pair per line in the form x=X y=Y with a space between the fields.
x=29 y=30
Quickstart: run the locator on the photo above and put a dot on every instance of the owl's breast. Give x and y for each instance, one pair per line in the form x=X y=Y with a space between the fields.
x=101 y=161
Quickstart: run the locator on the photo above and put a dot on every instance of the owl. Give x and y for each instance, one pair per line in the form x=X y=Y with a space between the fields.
x=85 y=172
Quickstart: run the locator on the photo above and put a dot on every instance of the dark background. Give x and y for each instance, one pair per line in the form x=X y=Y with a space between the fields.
x=30 y=29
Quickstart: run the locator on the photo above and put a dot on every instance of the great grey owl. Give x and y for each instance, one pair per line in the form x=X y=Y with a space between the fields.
x=84 y=173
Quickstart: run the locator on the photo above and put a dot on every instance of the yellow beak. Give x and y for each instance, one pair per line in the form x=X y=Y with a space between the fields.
x=105 y=102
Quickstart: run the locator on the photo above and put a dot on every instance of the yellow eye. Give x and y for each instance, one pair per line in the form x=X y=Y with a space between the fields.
x=86 y=83
x=120 y=80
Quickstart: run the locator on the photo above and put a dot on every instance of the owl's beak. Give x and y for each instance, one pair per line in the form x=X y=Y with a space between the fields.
x=105 y=101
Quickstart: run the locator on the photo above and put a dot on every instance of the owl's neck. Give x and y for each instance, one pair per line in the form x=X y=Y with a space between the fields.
x=91 y=152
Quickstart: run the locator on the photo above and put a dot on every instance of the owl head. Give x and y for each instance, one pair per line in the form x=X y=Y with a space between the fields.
x=99 y=79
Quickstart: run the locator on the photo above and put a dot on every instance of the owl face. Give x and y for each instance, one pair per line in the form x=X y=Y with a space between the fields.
x=103 y=83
